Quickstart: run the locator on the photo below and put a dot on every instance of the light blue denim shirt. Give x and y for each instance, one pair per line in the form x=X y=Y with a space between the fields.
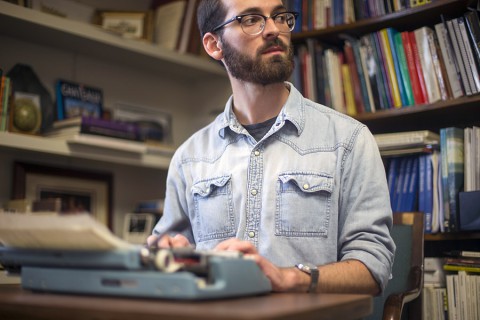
x=313 y=189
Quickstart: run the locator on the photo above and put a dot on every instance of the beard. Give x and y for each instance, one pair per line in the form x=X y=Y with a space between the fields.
x=254 y=70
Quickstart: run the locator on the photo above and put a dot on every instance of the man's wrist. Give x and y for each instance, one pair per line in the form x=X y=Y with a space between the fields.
x=312 y=272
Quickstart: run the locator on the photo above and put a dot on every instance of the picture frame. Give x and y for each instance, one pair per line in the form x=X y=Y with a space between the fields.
x=80 y=191
x=137 y=227
x=128 y=24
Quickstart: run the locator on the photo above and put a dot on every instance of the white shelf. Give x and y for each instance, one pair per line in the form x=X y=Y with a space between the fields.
x=52 y=146
x=46 y=29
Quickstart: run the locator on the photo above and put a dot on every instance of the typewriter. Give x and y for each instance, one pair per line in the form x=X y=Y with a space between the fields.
x=101 y=264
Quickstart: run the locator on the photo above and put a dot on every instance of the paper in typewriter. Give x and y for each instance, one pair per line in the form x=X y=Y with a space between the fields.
x=72 y=232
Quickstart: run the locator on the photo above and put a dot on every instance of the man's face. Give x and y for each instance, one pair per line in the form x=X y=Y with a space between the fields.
x=263 y=59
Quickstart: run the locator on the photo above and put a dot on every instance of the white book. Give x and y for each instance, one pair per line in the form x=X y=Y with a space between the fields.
x=392 y=140
x=426 y=61
x=469 y=52
x=448 y=59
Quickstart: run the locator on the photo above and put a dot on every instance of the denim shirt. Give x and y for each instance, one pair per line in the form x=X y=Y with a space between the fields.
x=313 y=189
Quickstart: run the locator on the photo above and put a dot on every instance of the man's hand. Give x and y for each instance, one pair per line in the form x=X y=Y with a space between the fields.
x=167 y=241
x=282 y=279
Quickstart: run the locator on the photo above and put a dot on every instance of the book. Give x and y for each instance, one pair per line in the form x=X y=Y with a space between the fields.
x=438 y=66
x=418 y=68
x=390 y=68
x=452 y=146
x=453 y=75
x=69 y=232
x=396 y=63
x=187 y=26
x=76 y=99
x=348 y=90
x=400 y=140
x=465 y=55
x=354 y=85
x=452 y=37
x=468 y=51
x=424 y=51
x=384 y=71
x=402 y=61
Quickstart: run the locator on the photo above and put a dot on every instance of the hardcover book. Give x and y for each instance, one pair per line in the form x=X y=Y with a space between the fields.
x=76 y=99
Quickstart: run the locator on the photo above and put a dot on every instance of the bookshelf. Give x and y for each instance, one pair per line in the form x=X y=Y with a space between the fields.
x=128 y=71
x=460 y=112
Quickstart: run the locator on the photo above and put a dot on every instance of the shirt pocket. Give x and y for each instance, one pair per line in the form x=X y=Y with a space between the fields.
x=213 y=203
x=303 y=204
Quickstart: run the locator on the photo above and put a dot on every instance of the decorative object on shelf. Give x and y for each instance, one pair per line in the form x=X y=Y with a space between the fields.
x=80 y=191
x=137 y=227
x=70 y=9
x=155 y=125
x=132 y=25
x=25 y=80
x=26 y=115
x=76 y=99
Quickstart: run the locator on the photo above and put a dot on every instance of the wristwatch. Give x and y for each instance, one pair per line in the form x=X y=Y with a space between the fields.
x=311 y=270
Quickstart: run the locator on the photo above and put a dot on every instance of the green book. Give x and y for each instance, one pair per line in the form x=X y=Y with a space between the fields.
x=402 y=61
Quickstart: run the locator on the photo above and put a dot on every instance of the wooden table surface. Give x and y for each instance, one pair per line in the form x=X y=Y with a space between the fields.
x=17 y=303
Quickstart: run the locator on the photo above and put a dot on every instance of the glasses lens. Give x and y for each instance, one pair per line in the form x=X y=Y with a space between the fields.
x=285 y=21
x=253 y=24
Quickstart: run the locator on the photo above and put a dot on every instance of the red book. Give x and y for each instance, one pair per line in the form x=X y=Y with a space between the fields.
x=352 y=64
x=422 y=95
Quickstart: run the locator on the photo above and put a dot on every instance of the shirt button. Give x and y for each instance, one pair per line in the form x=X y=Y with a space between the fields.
x=257 y=153
x=306 y=186
x=251 y=234
x=254 y=192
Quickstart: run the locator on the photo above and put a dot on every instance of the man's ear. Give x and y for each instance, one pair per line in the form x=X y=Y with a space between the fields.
x=212 y=45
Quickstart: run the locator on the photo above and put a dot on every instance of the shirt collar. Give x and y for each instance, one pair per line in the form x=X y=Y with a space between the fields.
x=293 y=111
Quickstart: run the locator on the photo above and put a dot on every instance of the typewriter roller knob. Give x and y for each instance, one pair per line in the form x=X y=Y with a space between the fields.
x=165 y=261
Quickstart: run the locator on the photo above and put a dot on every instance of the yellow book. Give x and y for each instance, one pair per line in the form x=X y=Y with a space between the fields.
x=392 y=75
x=348 y=90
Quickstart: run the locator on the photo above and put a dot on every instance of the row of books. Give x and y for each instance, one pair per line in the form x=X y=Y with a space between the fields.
x=392 y=69
x=431 y=177
x=452 y=287
x=319 y=14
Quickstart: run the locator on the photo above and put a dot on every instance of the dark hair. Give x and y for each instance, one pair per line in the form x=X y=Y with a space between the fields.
x=210 y=13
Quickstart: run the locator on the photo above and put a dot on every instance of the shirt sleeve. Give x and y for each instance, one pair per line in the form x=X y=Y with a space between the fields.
x=365 y=217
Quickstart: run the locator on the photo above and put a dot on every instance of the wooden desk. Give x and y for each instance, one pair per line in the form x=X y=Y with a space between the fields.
x=16 y=303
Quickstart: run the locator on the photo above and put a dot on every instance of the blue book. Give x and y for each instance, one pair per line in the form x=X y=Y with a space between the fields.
x=397 y=195
x=403 y=200
x=392 y=177
x=410 y=201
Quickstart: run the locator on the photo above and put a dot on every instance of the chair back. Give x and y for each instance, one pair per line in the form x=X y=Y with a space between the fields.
x=407 y=282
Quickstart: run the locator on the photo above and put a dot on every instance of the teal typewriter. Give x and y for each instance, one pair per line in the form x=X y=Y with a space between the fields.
x=78 y=255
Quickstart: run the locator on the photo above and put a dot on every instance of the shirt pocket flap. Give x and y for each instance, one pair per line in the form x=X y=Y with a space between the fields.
x=308 y=182
x=204 y=188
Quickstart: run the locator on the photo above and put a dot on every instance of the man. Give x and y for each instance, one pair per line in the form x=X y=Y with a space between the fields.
x=276 y=176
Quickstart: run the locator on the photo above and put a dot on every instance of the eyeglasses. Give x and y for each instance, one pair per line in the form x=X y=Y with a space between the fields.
x=253 y=24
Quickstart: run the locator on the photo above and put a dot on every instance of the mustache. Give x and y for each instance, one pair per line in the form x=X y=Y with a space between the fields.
x=273 y=43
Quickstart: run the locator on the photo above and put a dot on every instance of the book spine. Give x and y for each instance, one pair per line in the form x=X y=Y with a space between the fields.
x=444 y=180
x=469 y=53
x=431 y=83
x=354 y=76
x=402 y=60
x=397 y=100
x=377 y=72
x=418 y=67
x=384 y=69
x=455 y=167
x=458 y=57
x=453 y=74
x=437 y=65
x=363 y=85
x=396 y=64
x=464 y=55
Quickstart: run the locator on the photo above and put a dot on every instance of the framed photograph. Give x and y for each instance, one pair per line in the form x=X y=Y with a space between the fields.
x=79 y=191
x=137 y=227
x=134 y=25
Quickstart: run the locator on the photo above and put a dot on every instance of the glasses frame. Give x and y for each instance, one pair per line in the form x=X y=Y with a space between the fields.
x=273 y=16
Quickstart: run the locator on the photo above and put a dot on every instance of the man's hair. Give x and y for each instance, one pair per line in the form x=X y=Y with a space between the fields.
x=210 y=13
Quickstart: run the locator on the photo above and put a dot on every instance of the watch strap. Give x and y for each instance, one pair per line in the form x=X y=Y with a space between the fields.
x=314 y=274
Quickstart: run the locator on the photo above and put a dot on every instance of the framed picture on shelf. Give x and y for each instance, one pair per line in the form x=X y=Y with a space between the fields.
x=80 y=191
x=134 y=25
